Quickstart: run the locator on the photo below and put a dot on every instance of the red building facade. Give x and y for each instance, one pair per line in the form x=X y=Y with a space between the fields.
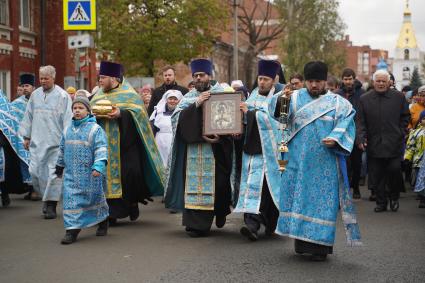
x=362 y=59
x=32 y=35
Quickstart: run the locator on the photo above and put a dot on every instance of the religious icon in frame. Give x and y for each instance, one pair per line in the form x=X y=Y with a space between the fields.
x=222 y=114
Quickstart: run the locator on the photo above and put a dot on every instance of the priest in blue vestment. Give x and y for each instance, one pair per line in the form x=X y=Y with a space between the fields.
x=14 y=158
x=260 y=176
x=199 y=166
x=315 y=184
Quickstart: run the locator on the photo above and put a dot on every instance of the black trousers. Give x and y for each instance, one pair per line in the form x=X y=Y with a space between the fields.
x=354 y=165
x=268 y=216
x=385 y=173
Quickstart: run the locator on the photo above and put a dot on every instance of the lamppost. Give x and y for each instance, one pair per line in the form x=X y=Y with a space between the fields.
x=236 y=4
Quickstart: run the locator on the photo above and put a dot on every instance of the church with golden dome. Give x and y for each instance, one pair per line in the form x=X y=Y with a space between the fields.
x=407 y=53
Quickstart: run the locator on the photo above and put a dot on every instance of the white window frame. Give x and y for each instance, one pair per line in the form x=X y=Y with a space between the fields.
x=7 y=14
x=21 y=13
x=5 y=83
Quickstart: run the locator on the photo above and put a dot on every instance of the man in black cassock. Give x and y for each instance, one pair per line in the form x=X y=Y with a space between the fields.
x=259 y=191
x=134 y=170
x=200 y=169
x=14 y=178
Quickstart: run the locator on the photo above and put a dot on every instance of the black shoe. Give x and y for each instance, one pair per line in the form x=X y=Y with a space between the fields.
x=246 y=232
x=421 y=203
x=27 y=196
x=193 y=233
x=5 y=200
x=112 y=221
x=44 y=208
x=380 y=208
x=134 y=212
x=268 y=232
x=102 y=228
x=174 y=211
x=318 y=257
x=50 y=210
x=394 y=205
x=70 y=236
x=356 y=194
x=372 y=197
x=220 y=221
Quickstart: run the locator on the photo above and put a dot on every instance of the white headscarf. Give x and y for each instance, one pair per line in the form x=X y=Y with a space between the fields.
x=160 y=107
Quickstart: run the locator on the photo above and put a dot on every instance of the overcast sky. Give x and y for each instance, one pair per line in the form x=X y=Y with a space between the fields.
x=378 y=22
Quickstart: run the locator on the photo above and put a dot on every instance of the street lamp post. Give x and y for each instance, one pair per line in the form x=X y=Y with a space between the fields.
x=235 y=41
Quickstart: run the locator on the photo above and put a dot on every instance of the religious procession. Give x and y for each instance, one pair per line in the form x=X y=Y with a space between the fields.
x=289 y=156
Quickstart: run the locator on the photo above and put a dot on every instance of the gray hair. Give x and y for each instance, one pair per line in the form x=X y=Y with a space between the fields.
x=48 y=71
x=381 y=72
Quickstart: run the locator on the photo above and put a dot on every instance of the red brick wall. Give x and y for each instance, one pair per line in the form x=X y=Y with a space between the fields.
x=57 y=53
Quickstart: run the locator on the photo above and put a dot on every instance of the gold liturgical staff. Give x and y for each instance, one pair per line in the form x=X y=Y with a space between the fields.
x=283 y=119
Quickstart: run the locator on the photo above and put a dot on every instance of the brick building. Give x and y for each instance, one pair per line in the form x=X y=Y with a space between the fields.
x=362 y=59
x=23 y=24
x=31 y=35
x=265 y=15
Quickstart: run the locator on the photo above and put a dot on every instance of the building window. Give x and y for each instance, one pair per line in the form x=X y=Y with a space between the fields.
x=406 y=54
x=5 y=82
x=25 y=14
x=4 y=12
x=365 y=63
x=406 y=73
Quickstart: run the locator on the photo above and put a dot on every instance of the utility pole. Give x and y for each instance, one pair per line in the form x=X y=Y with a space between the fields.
x=235 y=41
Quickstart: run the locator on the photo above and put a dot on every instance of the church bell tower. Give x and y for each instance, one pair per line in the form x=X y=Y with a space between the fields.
x=407 y=52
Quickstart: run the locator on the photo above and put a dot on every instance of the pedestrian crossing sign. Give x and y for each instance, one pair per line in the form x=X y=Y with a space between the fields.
x=79 y=14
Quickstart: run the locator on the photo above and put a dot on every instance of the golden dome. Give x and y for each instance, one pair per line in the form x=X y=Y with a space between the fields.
x=407 y=38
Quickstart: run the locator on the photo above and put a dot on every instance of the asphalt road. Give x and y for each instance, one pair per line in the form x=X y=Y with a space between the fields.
x=156 y=249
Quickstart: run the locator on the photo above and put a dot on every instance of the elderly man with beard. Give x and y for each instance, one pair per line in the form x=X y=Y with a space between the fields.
x=315 y=184
x=47 y=114
x=383 y=118
x=260 y=181
x=134 y=169
x=169 y=77
x=200 y=168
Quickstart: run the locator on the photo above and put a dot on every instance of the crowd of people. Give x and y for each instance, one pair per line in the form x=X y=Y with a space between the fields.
x=56 y=147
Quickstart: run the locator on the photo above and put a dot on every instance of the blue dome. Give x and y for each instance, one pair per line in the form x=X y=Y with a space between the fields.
x=382 y=65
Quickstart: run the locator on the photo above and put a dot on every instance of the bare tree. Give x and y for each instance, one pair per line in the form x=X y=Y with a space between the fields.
x=258 y=31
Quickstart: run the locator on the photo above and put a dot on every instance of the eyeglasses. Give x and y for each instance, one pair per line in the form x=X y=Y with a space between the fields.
x=200 y=75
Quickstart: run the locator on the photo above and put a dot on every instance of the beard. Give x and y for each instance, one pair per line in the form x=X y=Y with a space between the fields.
x=263 y=91
x=316 y=92
x=202 y=86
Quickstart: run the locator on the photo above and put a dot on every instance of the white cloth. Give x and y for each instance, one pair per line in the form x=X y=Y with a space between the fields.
x=164 y=136
x=47 y=115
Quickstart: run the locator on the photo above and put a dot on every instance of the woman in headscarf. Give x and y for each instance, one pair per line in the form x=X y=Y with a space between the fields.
x=161 y=122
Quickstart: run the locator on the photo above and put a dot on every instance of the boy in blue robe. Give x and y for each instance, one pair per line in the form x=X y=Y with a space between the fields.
x=82 y=162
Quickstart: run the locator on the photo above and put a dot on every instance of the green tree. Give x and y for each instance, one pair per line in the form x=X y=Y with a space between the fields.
x=260 y=30
x=139 y=33
x=415 y=80
x=311 y=29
